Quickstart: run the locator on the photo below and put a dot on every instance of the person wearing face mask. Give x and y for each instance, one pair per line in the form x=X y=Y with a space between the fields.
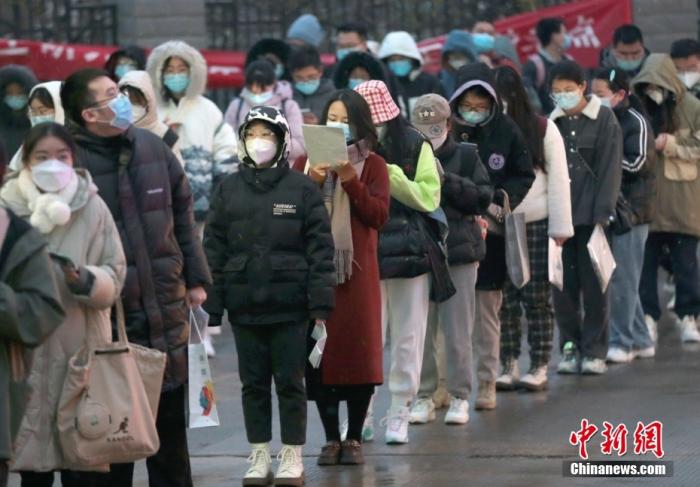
x=44 y=106
x=675 y=119
x=357 y=197
x=15 y=85
x=277 y=52
x=400 y=54
x=478 y=118
x=547 y=210
x=125 y=59
x=629 y=335
x=146 y=190
x=260 y=89
x=269 y=243
x=358 y=67
x=207 y=143
x=627 y=51
x=466 y=194
x=31 y=309
x=458 y=51
x=311 y=90
x=593 y=141
x=404 y=264
x=685 y=54
x=62 y=204
x=554 y=41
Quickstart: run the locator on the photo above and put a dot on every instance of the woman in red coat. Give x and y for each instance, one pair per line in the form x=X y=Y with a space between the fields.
x=356 y=193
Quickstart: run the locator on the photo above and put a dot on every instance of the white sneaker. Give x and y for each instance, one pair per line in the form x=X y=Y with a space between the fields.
x=593 y=366
x=291 y=469
x=367 y=428
x=653 y=328
x=208 y=346
x=396 y=422
x=214 y=330
x=569 y=361
x=458 y=412
x=617 y=355
x=510 y=375
x=441 y=398
x=648 y=352
x=422 y=411
x=260 y=471
x=689 y=330
x=535 y=379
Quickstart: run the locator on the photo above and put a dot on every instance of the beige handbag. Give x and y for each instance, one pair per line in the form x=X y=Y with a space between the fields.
x=108 y=407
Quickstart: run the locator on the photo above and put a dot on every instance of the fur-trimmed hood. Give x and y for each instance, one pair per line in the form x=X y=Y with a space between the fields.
x=194 y=59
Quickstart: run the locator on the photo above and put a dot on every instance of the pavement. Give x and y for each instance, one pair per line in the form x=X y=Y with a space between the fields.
x=522 y=443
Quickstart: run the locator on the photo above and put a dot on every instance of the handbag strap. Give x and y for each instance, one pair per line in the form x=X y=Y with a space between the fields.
x=506 y=202
x=195 y=325
x=121 y=326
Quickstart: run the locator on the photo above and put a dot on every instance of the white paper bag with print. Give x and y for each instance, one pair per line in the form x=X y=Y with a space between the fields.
x=601 y=257
x=556 y=265
x=201 y=399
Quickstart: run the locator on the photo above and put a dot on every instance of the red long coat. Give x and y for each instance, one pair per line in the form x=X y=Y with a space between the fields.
x=353 y=353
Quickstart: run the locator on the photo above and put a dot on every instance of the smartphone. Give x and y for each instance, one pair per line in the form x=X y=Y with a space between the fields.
x=63 y=261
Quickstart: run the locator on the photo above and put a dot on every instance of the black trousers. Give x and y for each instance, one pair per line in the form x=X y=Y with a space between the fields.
x=684 y=264
x=4 y=471
x=588 y=332
x=69 y=478
x=266 y=352
x=170 y=467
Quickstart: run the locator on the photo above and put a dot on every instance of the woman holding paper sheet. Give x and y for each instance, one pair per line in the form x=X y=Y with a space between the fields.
x=593 y=141
x=357 y=196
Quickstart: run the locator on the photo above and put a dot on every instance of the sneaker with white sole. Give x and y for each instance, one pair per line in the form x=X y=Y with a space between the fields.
x=653 y=328
x=458 y=412
x=535 y=379
x=617 y=355
x=569 y=360
x=689 y=330
x=648 y=352
x=422 y=411
x=510 y=375
x=367 y=428
x=593 y=366
x=208 y=346
x=260 y=471
x=291 y=469
x=485 y=396
x=396 y=422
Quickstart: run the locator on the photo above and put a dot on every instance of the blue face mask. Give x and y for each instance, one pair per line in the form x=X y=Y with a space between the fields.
x=568 y=100
x=342 y=52
x=177 y=83
x=37 y=119
x=483 y=42
x=355 y=82
x=123 y=114
x=279 y=71
x=16 y=102
x=628 y=64
x=473 y=117
x=401 y=68
x=308 y=87
x=346 y=129
x=259 y=98
x=567 y=42
x=122 y=69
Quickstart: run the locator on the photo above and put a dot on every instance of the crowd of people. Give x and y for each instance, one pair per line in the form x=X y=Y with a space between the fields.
x=127 y=183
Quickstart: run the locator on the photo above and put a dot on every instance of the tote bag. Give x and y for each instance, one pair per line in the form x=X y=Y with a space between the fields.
x=201 y=398
x=517 y=255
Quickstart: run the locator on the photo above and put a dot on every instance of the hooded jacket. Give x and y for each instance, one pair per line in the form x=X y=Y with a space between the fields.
x=375 y=68
x=317 y=101
x=268 y=241
x=593 y=141
x=457 y=41
x=207 y=143
x=31 y=309
x=676 y=207
x=417 y=83
x=141 y=80
x=14 y=124
x=91 y=241
x=54 y=89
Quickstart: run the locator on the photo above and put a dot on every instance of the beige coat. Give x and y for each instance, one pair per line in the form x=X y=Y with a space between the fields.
x=677 y=207
x=89 y=239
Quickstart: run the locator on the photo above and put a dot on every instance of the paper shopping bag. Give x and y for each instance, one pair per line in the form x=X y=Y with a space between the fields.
x=601 y=257
x=320 y=335
x=556 y=265
x=201 y=399
x=517 y=255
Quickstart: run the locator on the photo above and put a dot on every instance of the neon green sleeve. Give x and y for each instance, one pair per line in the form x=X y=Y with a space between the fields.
x=423 y=193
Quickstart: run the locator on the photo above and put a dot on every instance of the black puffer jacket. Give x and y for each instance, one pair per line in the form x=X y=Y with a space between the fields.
x=14 y=124
x=466 y=192
x=146 y=189
x=403 y=250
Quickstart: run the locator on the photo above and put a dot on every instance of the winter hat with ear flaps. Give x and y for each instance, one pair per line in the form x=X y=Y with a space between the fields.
x=279 y=124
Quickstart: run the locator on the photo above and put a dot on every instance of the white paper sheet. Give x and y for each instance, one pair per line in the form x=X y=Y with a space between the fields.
x=324 y=145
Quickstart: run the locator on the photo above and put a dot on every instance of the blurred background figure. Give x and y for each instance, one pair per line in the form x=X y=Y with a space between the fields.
x=306 y=31
x=311 y=90
x=130 y=58
x=15 y=84
x=685 y=54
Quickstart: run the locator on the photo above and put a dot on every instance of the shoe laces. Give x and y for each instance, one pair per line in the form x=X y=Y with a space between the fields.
x=456 y=404
x=258 y=459
x=390 y=420
x=287 y=458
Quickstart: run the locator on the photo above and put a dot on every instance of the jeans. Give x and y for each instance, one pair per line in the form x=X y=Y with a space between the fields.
x=627 y=328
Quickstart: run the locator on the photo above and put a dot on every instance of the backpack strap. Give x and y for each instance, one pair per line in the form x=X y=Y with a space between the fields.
x=540 y=69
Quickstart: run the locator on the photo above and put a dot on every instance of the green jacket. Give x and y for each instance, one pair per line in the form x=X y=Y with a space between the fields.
x=30 y=310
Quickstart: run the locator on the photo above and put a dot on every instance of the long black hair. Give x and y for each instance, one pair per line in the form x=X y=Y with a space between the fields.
x=619 y=80
x=41 y=131
x=510 y=88
x=394 y=141
x=663 y=117
x=359 y=115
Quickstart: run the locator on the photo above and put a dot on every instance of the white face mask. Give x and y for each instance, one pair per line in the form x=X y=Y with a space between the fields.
x=690 y=78
x=505 y=106
x=51 y=175
x=656 y=94
x=457 y=63
x=261 y=151
x=139 y=112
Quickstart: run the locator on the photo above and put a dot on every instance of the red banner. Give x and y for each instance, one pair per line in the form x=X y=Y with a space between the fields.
x=590 y=23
